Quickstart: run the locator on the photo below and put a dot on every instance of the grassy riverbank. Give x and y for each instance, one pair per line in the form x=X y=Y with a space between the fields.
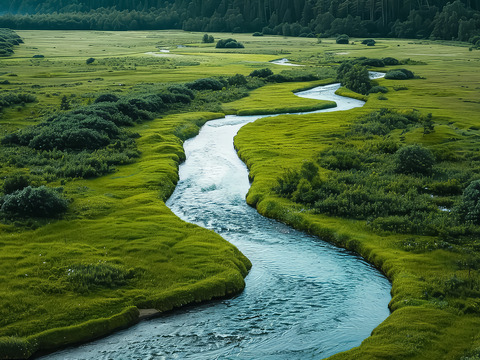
x=431 y=318
x=118 y=227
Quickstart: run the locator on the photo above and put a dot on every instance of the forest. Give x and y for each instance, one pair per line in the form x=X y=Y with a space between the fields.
x=438 y=19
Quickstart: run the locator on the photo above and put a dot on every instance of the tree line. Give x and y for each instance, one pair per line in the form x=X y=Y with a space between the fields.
x=437 y=19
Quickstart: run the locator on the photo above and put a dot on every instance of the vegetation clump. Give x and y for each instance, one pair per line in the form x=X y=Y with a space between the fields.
x=208 y=39
x=354 y=77
x=229 y=44
x=368 y=42
x=8 y=39
x=342 y=39
x=399 y=74
x=33 y=202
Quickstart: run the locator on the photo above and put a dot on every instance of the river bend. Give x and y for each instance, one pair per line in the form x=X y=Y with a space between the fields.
x=304 y=298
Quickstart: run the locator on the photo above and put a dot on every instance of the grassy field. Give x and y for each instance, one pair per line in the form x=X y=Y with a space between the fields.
x=118 y=227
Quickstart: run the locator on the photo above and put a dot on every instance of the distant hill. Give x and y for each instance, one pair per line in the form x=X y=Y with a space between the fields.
x=438 y=19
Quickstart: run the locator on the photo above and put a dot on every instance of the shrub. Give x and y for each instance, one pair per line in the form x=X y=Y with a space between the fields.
x=237 y=79
x=368 y=42
x=15 y=182
x=342 y=39
x=38 y=56
x=469 y=209
x=389 y=61
x=261 y=73
x=228 y=43
x=90 y=60
x=205 y=84
x=257 y=34
x=372 y=62
x=357 y=79
x=208 y=39
x=107 y=98
x=34 y=202
x=414 y=159
x=399 y=74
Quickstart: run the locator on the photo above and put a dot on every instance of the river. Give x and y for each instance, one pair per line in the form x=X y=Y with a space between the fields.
x=304 y=298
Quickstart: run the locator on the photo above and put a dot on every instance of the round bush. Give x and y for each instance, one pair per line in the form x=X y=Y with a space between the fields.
x=368 y=42
x=414 y=159
x=342 y=39
x=261 y=73
x=399 y=74
x=378 y=89
x=390 y=61
x=34 y=202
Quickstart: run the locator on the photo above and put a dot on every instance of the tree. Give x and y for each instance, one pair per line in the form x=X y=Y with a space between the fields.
x=208 y=39
x=414 y=159
x=469 y=209
x=357 y=79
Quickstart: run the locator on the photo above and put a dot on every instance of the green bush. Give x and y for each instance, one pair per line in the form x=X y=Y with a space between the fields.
x=469 y=209
x=208 y=39
x=368 y=42
x=15 y=182
x=389 y=61
x=357 y=79
x=399 y=74
x=257 y=34
x=90 y=60
x=33 y=202
x=342 y=39
x=261 y=73
x=228 y=43
x=414 y=159
x=205 y=84
x=378 y=89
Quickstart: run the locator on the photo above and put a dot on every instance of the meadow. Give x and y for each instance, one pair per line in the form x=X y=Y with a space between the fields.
x=119 y=249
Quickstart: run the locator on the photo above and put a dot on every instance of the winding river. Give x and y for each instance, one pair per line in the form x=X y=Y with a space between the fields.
x=304 y=299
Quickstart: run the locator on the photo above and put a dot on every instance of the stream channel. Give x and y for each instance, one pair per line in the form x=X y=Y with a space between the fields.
x=304 y=298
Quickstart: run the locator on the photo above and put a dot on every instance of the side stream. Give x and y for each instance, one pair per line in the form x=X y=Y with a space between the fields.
x=304 y=299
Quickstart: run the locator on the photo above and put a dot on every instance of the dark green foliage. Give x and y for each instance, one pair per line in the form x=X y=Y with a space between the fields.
x=436 y=19
x=257 y=34
x=90 y=60
x=15 y=182
x=38 y=56
x=469 y=209
x=378 y=89
x=85 y=278
x=368 y=42
x=342 y=39
x=229 y=44
x=208 y=39
x=8 y=39
x=393 y=188
x=372 y=62
x=414 y=159
x=107 y=98
x=33 y=202
x=389 y=61
x=237 y=79
x=15 y=99
x=399 y=74
x=357 y=79
x=261 y=73
x=65 y=103
x=206 y=84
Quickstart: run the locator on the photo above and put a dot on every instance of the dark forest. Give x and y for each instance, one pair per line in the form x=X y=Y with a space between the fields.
x=435 y=19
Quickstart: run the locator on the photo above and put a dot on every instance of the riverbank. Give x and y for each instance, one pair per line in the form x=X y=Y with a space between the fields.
x=427 y=321
x=120 y=222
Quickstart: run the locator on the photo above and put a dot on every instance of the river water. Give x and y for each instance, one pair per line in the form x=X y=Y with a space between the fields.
x=304 y=298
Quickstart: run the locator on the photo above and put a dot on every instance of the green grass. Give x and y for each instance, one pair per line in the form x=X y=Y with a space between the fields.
x=420 y=327
x=119 y=228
